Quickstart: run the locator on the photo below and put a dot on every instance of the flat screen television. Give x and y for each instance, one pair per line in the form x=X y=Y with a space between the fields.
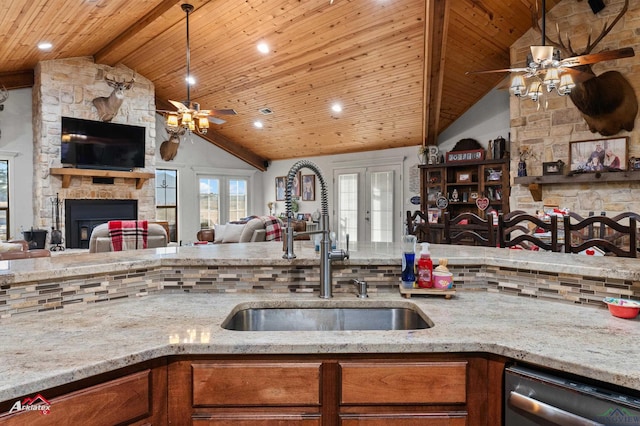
x=101 y=145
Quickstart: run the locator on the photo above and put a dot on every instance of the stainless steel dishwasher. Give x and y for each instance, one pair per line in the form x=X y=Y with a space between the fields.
x=538 y=398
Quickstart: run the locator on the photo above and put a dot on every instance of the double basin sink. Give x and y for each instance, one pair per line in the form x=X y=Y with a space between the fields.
x=326 y=316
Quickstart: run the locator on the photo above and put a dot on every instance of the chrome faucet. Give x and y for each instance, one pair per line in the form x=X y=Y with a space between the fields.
x=326 y=253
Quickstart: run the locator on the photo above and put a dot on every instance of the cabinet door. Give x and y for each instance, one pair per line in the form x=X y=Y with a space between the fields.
x=495 y=186
x=118 y=401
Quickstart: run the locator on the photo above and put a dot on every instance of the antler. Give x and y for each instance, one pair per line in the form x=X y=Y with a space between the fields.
x=606 y=29
x=567 y=47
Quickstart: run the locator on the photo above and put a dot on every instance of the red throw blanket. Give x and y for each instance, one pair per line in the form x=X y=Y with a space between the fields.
x=272 y=227
x=128 y=234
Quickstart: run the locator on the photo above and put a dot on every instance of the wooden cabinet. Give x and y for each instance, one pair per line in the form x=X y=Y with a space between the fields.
x=349 y=390
x=137 y=398
x=456 y=188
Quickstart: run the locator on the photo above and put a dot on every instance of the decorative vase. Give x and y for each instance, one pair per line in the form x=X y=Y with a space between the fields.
x=522 y=168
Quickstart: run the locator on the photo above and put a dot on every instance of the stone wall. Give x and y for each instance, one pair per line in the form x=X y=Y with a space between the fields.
x=67 y=88
x=548 y=132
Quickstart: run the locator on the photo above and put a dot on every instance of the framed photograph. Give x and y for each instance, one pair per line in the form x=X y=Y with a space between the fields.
x=599 y=155
x=463 y=177
x=433 y=215
x=308 y=187
x=300 y=216
x=281 y=188
x=296 y=188
x=553 y=168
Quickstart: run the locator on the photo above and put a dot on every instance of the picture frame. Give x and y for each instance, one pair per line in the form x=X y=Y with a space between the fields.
x=281 y=188
x=308 y=187
x=553 y=168
x=300 y=216
x=599 y=155
x=433 y=215
x=463 y=177
x=296 y=188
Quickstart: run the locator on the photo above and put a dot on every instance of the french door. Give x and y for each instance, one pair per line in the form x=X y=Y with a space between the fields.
x=367 y=203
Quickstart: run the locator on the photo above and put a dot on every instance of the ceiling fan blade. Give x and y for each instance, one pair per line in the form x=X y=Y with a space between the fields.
x=500 y=70
x=578 y=76
x=181 y=107
x=216 y=120
x=222 y=112
x=607 y=55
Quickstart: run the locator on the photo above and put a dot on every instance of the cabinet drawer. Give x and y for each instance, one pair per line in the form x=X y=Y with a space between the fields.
x=261 y=384
x=114 y=402
x=406 y=420
x=403 y=383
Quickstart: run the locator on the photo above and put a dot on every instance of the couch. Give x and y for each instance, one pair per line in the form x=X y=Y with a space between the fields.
x=19 y=249
x=100 y=241
x=250 y=230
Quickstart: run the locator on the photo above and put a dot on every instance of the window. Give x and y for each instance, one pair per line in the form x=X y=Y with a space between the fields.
x=167 y=200
x=4 y=200
x=222 y=199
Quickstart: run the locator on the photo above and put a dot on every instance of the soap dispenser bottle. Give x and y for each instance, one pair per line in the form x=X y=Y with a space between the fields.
x=408 y=261
x=425 y=268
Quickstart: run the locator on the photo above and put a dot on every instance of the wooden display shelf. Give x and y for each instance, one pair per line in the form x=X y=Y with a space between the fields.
x=67 y=173
x=408 y=292
x=535 y=183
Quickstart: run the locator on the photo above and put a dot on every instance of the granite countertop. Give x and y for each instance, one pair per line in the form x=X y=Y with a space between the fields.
x=270 y=253
x=39 y=351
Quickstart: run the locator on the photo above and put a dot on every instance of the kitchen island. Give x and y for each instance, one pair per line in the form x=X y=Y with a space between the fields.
x=70 y=342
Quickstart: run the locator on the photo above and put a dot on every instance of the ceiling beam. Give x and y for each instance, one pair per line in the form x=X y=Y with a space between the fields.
x=131 y=32
x=225 y=143
x=16 y=79
x=435 y=36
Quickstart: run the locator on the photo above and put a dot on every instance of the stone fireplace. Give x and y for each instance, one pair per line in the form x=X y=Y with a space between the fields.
x=81 y=216
x=66 y=88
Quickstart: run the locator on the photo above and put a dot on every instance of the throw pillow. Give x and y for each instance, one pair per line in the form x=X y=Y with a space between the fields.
x=5 y=247
x=249 y=228
x=232 y=233
x=219 y=233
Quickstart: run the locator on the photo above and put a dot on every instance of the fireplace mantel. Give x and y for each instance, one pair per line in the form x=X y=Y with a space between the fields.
x=67 y=173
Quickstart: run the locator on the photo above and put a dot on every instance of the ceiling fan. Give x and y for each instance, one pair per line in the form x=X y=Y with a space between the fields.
x=545 y=68
x=189 y=116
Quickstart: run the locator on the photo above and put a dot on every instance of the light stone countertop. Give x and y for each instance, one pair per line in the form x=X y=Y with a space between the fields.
x=43 y=350
x=270 y=253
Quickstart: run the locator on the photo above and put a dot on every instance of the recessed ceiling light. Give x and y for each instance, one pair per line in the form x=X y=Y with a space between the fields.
x=45 y=45
x=190 y=80
x=258 y=124
x=263 y=47
x=266 y=111
x=336 y=107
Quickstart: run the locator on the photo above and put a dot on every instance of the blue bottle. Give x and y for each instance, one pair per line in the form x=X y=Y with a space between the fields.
x=408 y=261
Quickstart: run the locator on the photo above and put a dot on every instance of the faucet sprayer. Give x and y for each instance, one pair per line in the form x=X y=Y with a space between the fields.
x=326 y=254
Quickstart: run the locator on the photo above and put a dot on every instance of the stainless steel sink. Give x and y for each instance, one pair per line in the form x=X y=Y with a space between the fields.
x=326 y=318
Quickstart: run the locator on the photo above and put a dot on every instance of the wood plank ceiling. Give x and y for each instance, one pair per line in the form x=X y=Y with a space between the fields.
x=368 y=55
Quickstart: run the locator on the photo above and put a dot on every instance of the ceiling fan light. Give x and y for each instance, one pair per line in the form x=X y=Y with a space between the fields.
x=566 y=84
x=517 y=86
x=203 y=122
x=172 y=120
x=187 y=117
x=535 y=91
x=542 y=54
x=551 y=79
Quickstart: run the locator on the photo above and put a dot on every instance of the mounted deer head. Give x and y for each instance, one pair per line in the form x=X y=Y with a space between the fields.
x=4 y=95
x=108 y=106
x=169 y=148
x=608 y=102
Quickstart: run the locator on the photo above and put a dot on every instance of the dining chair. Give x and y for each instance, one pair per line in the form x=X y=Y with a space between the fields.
x=417 y=224
x=469 y=229
x=623 y=245
x=528 y=232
